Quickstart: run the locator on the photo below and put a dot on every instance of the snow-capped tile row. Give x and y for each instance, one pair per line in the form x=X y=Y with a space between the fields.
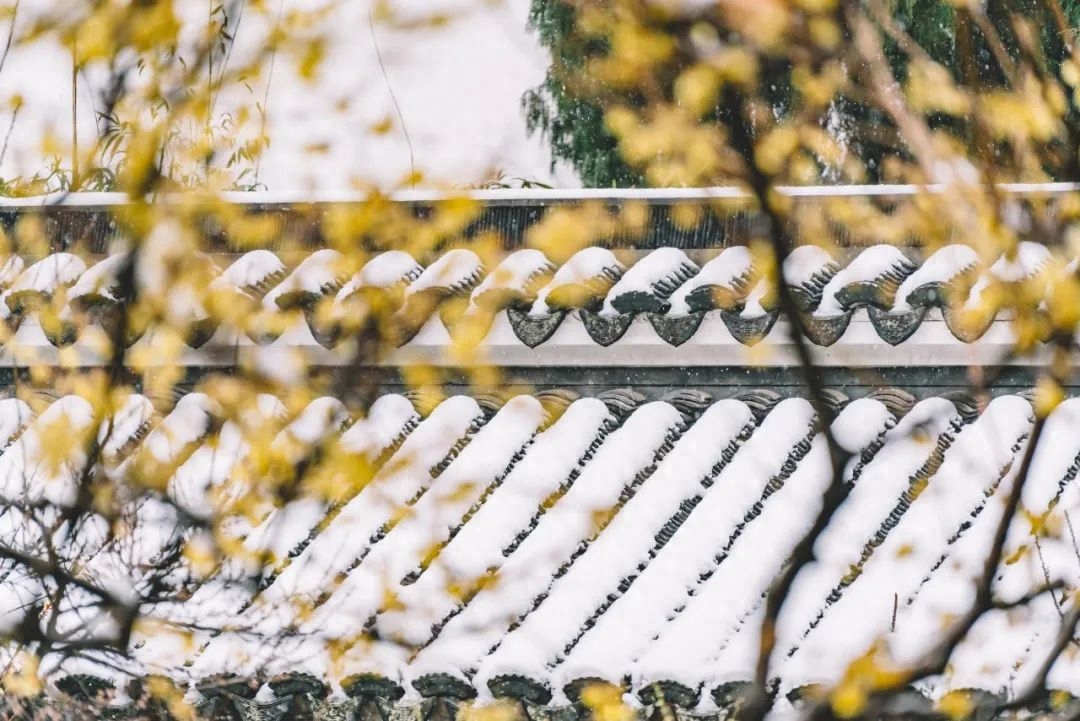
x=522 y=548
x=606 y=289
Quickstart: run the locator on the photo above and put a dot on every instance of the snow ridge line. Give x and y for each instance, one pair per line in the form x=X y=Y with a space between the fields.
x=667 y=531
x=337 y=505
x=412 y=576
x=916 y=484
x=606 y=429
x=864 y=459
x=435 y=471
x=987 y=494
x=627 y=493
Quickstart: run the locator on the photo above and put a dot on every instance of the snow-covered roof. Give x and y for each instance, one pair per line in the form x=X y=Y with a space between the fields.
x=519 y=548
x=663 y=306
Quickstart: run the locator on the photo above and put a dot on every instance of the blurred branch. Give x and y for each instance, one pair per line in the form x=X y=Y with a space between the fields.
x=1027 y=597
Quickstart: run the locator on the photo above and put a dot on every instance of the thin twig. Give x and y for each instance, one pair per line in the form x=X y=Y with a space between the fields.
x=1037 y=690
x=393 y=98
x=1072 y=536
x=1030 y=596
x=7 y=135
x=266 y=95
x=10 y=35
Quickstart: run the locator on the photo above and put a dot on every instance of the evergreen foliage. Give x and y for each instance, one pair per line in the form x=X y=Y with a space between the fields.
x=574 y=126
x=574 y=123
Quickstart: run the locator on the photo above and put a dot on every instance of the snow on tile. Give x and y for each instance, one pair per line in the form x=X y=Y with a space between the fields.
x=516 y=275
x=950 y=590
x=660 y=273
x=49 y=273
x=431 y=519
x=945 y=265
x=126 y=424
x=809 y=265
x=532 y=566
x=1029 y=260
x=390 y=417
x=872 y=505
x=590 y=271
x=15 y=416
x=689 y=646
x=729 y=269
x=454 y=269
x=407 y=474
x=478 y=548
x=627 y=628
x=874 y=263
x=32 y=470
x=252 y=272
x=627 y=542
x=386 y=270
x=318 y=274
x=976 y=462
x=10 y=270
x=100 y=279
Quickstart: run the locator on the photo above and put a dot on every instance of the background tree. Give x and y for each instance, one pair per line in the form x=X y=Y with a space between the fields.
x=563 y=108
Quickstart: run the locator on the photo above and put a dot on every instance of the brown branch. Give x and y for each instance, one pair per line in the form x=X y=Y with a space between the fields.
x=803 y=553
x=1028 y=597
x=50 y=569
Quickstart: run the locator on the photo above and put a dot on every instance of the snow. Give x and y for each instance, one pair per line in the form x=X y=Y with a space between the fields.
x=477 y=549
x=251 y=271
x=908 y=448
x=319 y=419
x=10 y=270
x=49 y=273
x=454 y=269
x=511 y=549
x=1030 y=258
x=807 y=264
x=752 y=307
x=626 y=543
x=99 y=279
x=432 y=518
x=133 y=415
x=943 y=266
x=981 y=455
x=998 y=646
x=874 y=263
x=385 y=270
x=860 y=423
x=15 y=416
x=318 y=274
x=189 y=420
x=530 y=568
x=625 y=631
x=31 y=470
x=349 y=534
x=732 y=266
x=659 y=273
x=595 y=269
x=689 y=646
x=389 y=418
x=517 y=273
